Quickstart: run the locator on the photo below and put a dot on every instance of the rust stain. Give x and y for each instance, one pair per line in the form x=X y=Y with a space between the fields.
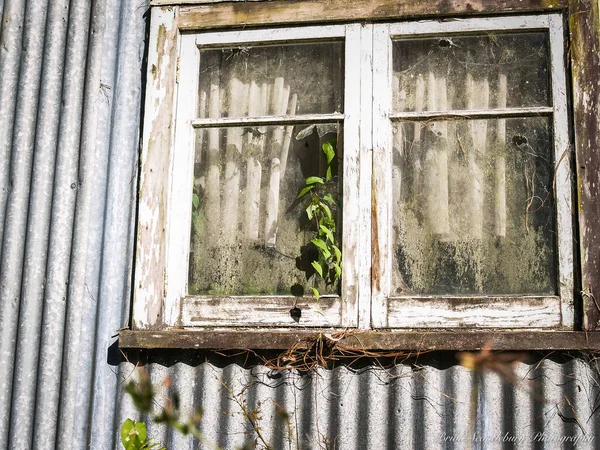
x=375 y=242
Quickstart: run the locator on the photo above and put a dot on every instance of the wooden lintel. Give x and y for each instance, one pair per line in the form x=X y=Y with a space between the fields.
x=413 y=341
x=246 y=14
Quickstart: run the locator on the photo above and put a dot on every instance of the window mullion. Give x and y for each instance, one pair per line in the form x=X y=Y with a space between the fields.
x=365 y=176
x=382 y=176
x=351 y=220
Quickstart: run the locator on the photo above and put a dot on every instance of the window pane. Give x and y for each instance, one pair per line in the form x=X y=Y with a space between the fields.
x=271 y=80
x=473 y=209
x=472 y=72
x=250 y=234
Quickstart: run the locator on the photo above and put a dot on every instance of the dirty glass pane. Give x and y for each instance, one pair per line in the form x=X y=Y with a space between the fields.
x=250 y=234
x=473 y=209
x=271 y=80
x=471 y=72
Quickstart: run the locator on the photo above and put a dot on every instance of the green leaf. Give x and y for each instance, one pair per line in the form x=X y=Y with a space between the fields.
x=326 y=209
x=314 y=180
x=317 y=267
x=327 y=232
x=195 y=201
x=328 y=175
x=305 y=190
x=125 y=431
x=140 y=428
x=316 y=293
x=338 y=271
x=322 y=246
x=338 y=253
x=133 y=435
x=310 y=210
x=329 y=151
x=319 y=243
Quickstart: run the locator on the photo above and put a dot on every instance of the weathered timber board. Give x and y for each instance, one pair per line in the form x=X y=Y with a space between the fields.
x=236 y=14
x=584 y=27
x=368 y=340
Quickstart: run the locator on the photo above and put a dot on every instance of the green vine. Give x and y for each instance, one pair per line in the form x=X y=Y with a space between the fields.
x=318 y=202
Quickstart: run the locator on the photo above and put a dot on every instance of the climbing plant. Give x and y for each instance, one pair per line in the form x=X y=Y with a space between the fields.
x=316 y=194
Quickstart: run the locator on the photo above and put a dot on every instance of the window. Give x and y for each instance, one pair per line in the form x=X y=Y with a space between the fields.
x=452 y=198
x=472 y=178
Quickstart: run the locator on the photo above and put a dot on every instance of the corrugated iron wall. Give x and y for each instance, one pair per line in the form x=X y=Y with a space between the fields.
x=70 y=99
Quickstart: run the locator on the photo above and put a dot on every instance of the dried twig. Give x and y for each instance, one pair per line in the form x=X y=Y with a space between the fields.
x=325 y=349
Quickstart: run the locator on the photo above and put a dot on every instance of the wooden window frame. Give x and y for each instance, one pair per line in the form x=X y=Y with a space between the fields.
x=182 y=310
x=509 y=311
x=329 y=310
x=149 y=308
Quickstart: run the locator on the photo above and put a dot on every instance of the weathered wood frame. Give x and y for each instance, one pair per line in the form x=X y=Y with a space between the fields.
x=172 y=190
x=406 y=311
x=584 y=57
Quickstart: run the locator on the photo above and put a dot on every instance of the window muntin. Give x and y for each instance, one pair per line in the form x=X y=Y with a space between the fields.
x=440 y=238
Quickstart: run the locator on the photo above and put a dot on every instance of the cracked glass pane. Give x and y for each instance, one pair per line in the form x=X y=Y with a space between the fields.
x=250 y=234
x=473 y=207
x=482 y=72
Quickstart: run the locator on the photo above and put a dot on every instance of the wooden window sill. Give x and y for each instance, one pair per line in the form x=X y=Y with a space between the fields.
x=424 y=340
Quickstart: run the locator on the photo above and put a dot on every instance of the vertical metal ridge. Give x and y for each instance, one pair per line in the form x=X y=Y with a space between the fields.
x=36 y=255
x=66 y=184
x=77 y=389
x=1 y=11
x=24 y=224
x=121 y=83
x=13 y=17
x=10 y=50
x=21 y=86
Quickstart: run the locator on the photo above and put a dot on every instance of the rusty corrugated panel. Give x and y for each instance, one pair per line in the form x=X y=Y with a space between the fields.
x=70 y=90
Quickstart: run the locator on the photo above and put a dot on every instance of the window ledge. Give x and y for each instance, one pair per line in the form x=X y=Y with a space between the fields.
x=423 y=340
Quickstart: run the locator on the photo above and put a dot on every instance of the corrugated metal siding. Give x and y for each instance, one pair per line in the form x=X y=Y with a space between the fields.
x=429 y=405
x=70 y=96
x=70 y=92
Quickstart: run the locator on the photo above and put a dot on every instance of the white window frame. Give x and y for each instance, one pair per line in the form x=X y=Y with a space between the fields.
x=426 y=311
x=160 y=293
x=200 y=311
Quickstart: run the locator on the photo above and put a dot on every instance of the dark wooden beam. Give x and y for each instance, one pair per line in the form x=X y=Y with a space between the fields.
x=584 y=28
x=247 y=14
x=411 y=341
